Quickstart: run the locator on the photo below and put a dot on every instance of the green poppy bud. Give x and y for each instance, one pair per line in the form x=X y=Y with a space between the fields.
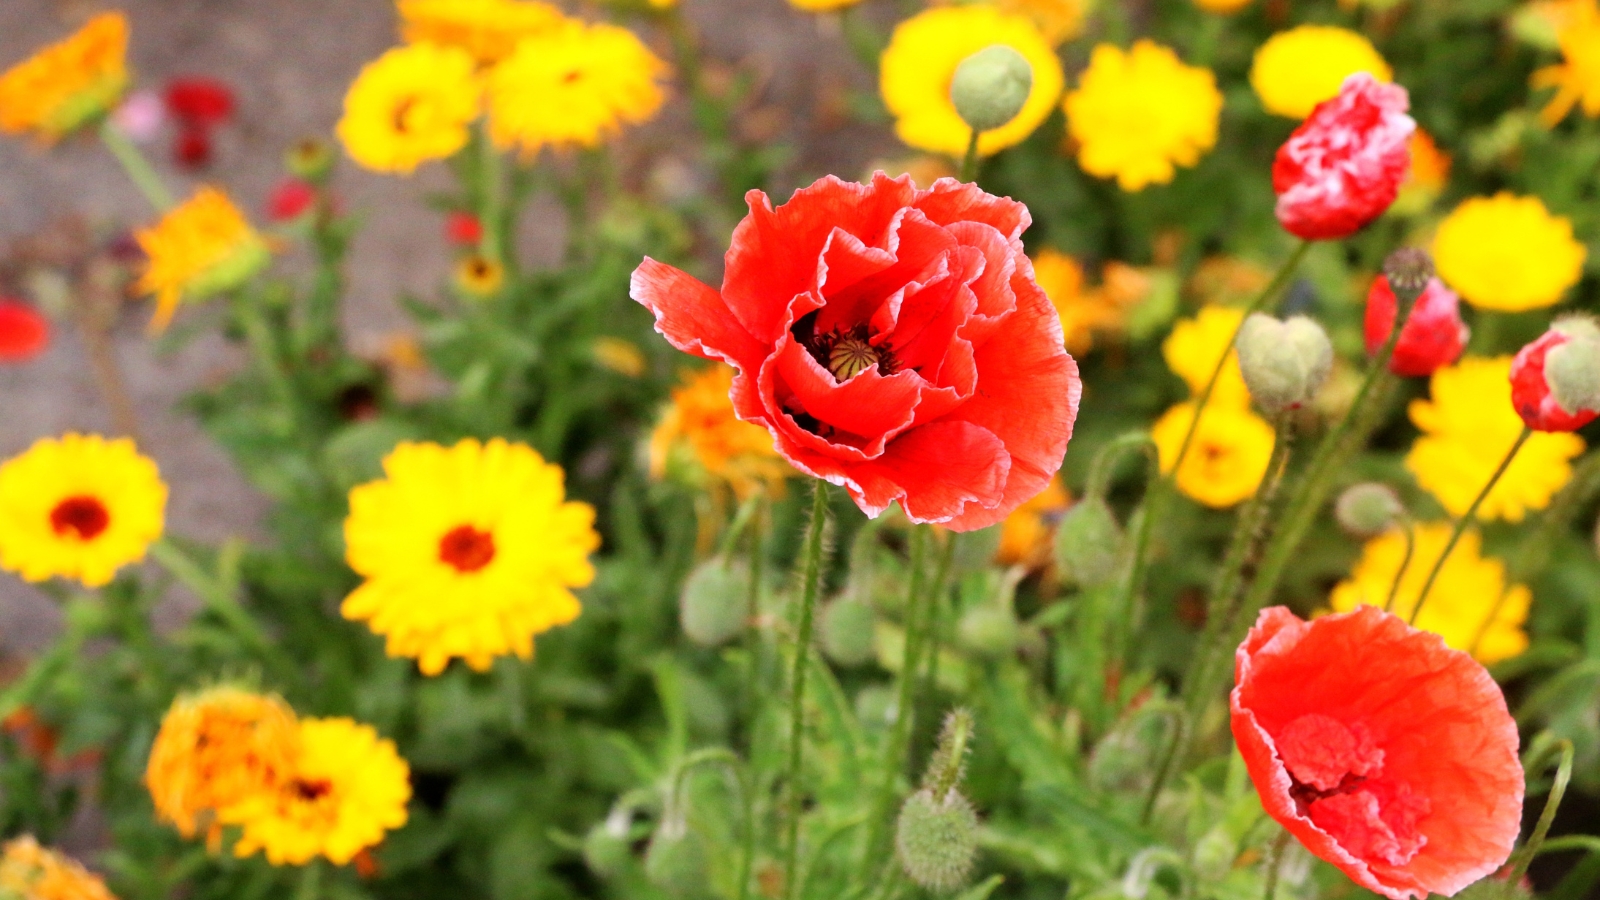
x=1573 y=369
x=988 y=631
x=847 y=631
x=606 y=849
x=712 y=607
x=936 y=839
x=1368 y=510
x=991 y=86
x=675 y=861
x=1087 y=543
x=1284 y=363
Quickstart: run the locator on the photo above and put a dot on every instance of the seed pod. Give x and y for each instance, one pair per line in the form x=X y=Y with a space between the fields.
x=711 y=608
x=1284 y=363
x=1087 y=543
x=1573 y=369
x=991 y=86
x=847 y=631
x=1368 y=510
x=936 y=839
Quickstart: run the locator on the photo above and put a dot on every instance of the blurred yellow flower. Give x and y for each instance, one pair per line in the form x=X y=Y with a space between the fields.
x=618 y=355
x=1508 y=253
x=575 y=86
x=822 y=5
x=466 y=551
x=1222 y=7
x=1577 y=78
x=1058 y=20
x=347 y=788
x=1470 y=605
x=1468 y=427
x=1194 y=348
x=479 y=277
x=67 y=84
x=487 y=29
x=409 y=106
x=1429 y=175
x=200 y=248
x=215 y=750
x=700 y=435
x=1025 y=534
x=78 y=507
x=1297 y=69
x=1087 y=311
x=922 y=57
x=1136 y=116
x=1227 y=459
x=31 y=872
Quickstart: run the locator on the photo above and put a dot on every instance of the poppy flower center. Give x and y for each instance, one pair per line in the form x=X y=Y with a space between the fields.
x=845 y=352
x=1336 y=771
x=466 y=548
x=82 y=517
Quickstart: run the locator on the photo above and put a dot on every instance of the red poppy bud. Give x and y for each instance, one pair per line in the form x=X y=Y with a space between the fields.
x=1562 y=365
x=1434 y=336
x=1343 y=166
x=1382 y=750
x=24 y=333
x=192 y=148
x=463 y=229
x=290 y=200
x=892 y=340
x=198 y=100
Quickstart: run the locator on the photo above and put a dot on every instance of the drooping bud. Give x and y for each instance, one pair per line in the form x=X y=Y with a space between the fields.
x=1555 y=381
x=991 y=86
x=712 y=608
x=988 y=630
x=1369 y=509
x=606 y=848
x=675 y=861
x=1409 y=270
x=1284 y=363
x=1434 y=335
x=847 y=631
x=936 y=839
x=1087 y=543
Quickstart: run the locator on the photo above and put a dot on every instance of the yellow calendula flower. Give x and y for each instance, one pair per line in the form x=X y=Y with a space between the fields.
x=69 y=84
x=1227 y=459
x=1429 y=175
x=479 y=277
x=487 y=29
x=31 y=872
x=699 y=436
x=1137 y=116
x=1025 y=534
x=1297 y=69
x=1508 y=253
x=1087 y=311
x=347 y=789
x=1058 y=20
x=409 y=106
x=199 y=249
x=78 y=507
x=821 y=5
x=921 y=60
x=575 y=86
x=467 y=551
x=1577 y=77
x=1195 y=346
x=1468 y=427
x=1222 y=7
x=216 y=750
x=1470 y=605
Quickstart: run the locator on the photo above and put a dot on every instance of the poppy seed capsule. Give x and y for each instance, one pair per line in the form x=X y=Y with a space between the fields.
x=1409 y=270
x=937 y=839
x=991 y=86
x=1368 y=510
x=1087 y=541
x=847 y=631
x=712 y=607
x=1284 y=363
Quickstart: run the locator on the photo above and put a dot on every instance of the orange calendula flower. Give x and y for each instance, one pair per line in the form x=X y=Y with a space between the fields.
x=1025 y=534
x=216 y=750
x=699 y=435
x=1087 y=311
x=69 y=84
x=487 y=29
x=201 y=248
x=1430 y=173
x=31 y=872
x=1577 y=77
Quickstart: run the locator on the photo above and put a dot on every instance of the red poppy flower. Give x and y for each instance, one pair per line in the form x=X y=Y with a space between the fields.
x=463 y=229
x=24 y=333
x=1343 y=166
x=1434 y=336
x=291 y=199
x=197 y=100
x=892 y=340
x=1531 y=394
x=192 y=148
x=1384 y=751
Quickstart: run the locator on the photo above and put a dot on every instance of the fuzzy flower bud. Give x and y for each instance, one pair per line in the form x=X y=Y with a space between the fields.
x=1555 y=381
x=1087 y=541
x=847 y=631
x=1409 y=270
x=675 y=861
x=1368 y=510
x=1343 y=167
x=606 y=848
x=988 y=630
x=1433 y=336
x=991 y=86
x=712 y=607
x=1284 y=363
x=936 y=839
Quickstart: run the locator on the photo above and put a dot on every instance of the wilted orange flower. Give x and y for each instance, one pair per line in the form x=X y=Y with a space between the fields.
x=31 y=872
x=1025 y=534
x=69 y=84
x=701 y=421
x=199 y=249
x=216 y=750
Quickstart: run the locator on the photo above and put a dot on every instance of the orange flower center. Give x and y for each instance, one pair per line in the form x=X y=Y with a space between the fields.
x=1339 y=784
x=82 y=517
x=466 y=548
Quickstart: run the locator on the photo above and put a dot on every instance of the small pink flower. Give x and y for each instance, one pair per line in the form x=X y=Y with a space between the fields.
x=1434 y=336
x=1344 y=165
x=141 y=117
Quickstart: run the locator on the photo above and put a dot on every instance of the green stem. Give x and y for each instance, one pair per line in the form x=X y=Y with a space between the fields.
x=264 y=346
x=1405 y=563
x=1275 y=863
x=735 y=767
x=310 y=881
x=212 y=593
x=138 y=168
x=1465 y=520
x=491 y=174
x=969 y=163
x=1571 y=842
x=1129 y=610
x=935 y=606
x=811 y=567
x=1558 y=790
x=1104 y=466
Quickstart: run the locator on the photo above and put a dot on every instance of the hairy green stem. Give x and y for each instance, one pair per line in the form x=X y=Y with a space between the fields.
x=811 y=567
x=1558 y=790
x=1405 y=563
x=969 y=163
x=1275 y=863
x=138 y=168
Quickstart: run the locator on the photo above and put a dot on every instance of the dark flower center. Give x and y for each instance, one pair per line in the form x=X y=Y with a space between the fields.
x=466 y=548
x=845 y=353
x=311 y=791
x=81 y=517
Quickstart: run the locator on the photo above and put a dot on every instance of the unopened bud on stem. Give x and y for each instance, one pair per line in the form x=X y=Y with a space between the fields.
x=1284 y=363
x=1408 y=269
x=1573 y=369
x=936 y=839
x=1087 y=543
x=1368 y=510
x=991 y=86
